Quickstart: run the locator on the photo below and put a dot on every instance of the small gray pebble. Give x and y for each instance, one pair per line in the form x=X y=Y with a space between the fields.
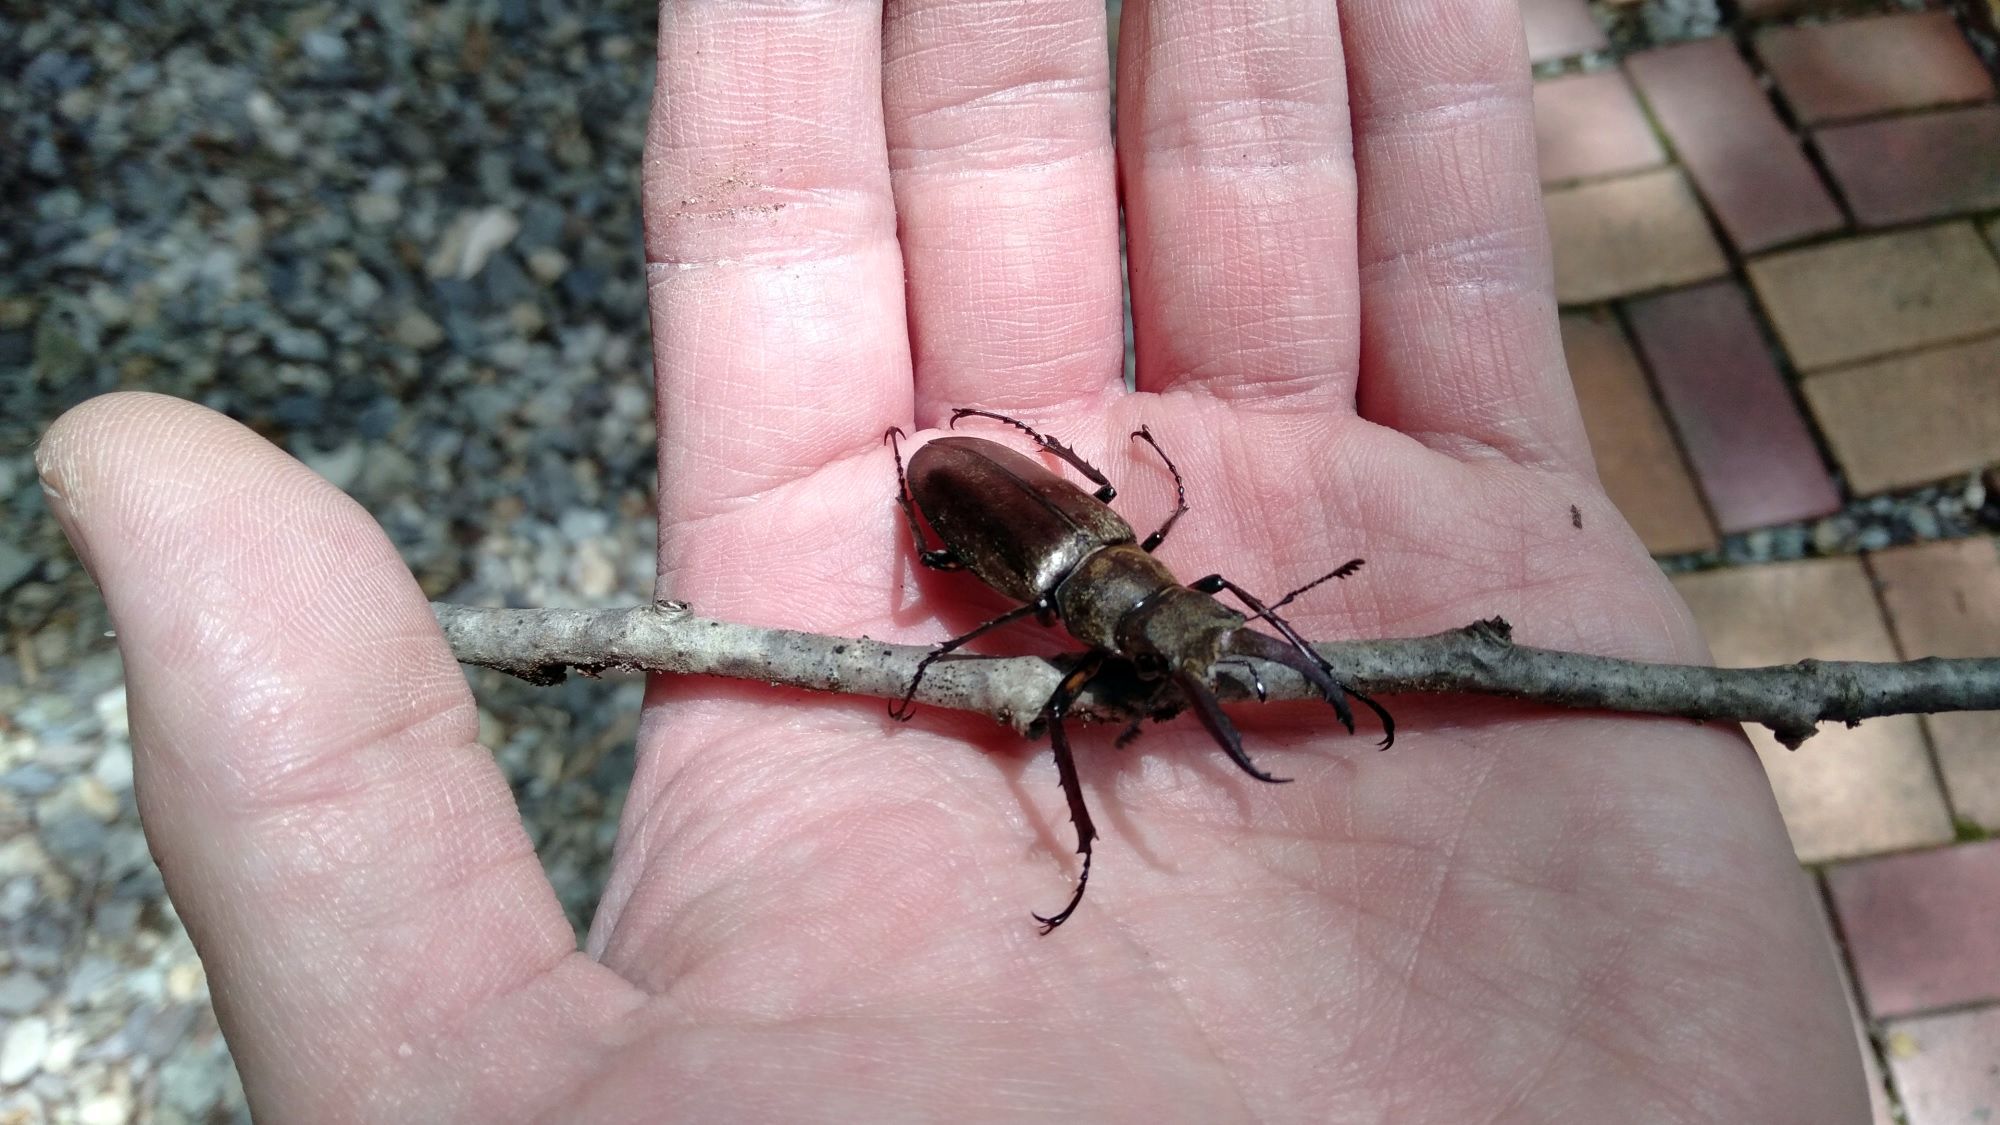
x=31 y=780
x=21 y=993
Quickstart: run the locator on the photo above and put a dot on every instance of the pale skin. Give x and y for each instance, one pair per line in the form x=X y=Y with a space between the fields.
x=859 y=219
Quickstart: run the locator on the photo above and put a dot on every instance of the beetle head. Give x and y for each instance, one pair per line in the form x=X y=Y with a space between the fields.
x=1179 y=633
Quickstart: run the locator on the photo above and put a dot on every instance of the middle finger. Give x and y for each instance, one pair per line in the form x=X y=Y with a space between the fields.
x=998 y=117
x=1239 y=179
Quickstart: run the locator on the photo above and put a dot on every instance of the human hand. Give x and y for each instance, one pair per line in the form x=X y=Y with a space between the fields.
x=1346 y=340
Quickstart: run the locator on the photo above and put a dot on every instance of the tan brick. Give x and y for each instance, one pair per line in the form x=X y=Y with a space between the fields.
x=1630 y=235
x=1945 y=1064
x=1944 y=600
x=1913 y=419
x=1641 y=469
x=1866 y=297
x=1846 y=792
x=1589 y=125
x=1559 y=28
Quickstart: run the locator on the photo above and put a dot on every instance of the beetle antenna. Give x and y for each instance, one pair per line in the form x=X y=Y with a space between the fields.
x=1342 y=571
x=1209 y=710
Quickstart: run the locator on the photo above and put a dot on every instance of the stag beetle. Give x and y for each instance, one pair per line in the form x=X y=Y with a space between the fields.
x=1065 y=555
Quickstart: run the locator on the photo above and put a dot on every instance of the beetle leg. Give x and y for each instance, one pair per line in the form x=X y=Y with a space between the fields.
x=900 y=710
x=1145 y=434
x=1247 y=637
x=1131 y=732
x=1256 y=681
x=1105 y=493
x=1079 y=813
x=939 y=558
x=1209 y=711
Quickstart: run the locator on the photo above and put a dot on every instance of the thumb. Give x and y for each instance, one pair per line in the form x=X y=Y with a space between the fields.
x=347 y=858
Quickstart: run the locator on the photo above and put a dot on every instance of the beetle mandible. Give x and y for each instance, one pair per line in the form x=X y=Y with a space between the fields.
x=1065 y=555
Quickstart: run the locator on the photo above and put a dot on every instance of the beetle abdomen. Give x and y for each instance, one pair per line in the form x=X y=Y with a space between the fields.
x=1016 y=525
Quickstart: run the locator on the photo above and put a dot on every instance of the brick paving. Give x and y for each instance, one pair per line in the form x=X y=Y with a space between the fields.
x=1777 y=249
x=1629 y=235
x=1914 y=418
x=1850 y=791
x=1866 y=67
x=1943 y=599
x=1752 y=172
x=1919 y=166
x=1858 y=298
x=1944 y=1066
x=1894 y=910
x=1743 y=432
x=1591 y=125
x=1642 y=470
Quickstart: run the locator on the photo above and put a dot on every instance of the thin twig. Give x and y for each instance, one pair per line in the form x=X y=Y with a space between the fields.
x=540 y=645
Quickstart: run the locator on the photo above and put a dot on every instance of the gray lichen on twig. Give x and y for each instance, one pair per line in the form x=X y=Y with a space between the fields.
x=542 y=645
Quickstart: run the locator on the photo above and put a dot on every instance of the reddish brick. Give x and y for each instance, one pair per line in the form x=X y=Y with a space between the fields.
x=1591 y=125
x=1835 y=71
x=1559 y=28
x=1921 y=167
x=1642 y=471
x=1880 y=1112
x=1849 y=791
x=1947 y=1067
x=1913 y=419
x=1865 y=297
x=1923 y=929
x=1616 y=237
x=1944 y=600
x=1742 y=430
x=1749 y=168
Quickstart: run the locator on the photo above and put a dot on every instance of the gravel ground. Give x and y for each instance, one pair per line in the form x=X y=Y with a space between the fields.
x=401 y=241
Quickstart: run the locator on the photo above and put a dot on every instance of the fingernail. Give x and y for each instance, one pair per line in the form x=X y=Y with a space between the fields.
x=59 y=506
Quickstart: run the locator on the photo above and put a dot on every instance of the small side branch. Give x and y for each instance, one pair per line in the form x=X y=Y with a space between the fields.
x=541 y=645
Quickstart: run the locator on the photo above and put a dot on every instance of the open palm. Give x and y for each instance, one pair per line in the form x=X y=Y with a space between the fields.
x=1346 y=340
